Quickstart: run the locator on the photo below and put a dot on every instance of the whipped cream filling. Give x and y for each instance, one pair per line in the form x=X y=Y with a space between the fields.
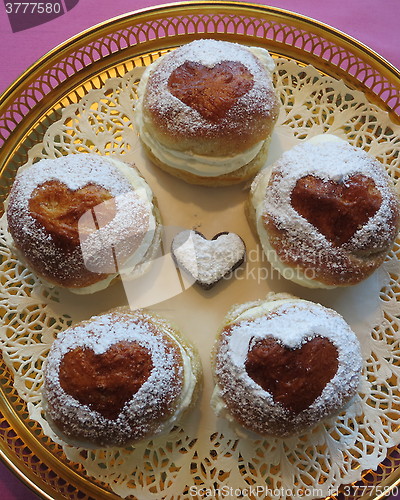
x=257 y=200
x=189 y=384
x=201 y=165
x=205 y=166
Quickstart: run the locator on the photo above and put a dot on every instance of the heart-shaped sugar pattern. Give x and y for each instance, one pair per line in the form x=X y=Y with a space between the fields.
x=336 y=208
x=210 y=91
x=58 y=208
x=294 y=377
x=105 y=382
x=208 y=261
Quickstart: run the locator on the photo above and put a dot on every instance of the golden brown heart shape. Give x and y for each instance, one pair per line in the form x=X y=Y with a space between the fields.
x=58 y=208
x=210 y=91
x=105 y=382
x=294 y=377
x=336 y=209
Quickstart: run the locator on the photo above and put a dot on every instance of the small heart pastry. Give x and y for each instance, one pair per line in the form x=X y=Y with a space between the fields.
x=326 y=213
x=206 y=111
x=283 y=364
x=119 y=378
x=208 y=261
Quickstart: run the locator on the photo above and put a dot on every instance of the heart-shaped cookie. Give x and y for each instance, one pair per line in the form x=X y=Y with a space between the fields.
x=294 y=377
x=336 y=208
x=105 y=382
x=58 y=208
x=210 y=91
x=208 y=261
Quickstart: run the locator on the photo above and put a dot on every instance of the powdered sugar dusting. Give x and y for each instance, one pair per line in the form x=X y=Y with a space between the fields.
x=141 y=414
x=120 y=238
x=291 y=322
x=208 y=261
x=301 y=242
x=76 y=171
x=182 y=119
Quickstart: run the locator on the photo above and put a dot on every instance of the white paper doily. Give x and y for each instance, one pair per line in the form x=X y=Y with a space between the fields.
x=204 y=456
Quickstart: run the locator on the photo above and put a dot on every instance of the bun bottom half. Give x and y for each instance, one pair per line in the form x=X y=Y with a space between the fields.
x=242 y=174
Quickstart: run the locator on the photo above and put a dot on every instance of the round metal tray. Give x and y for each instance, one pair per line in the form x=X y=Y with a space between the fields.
x=111 y=49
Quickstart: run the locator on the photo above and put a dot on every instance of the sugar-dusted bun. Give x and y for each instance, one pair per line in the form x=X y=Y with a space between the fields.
x=119 y=378
x=326 y=213
x=76 y=221
x=206 y=111
x=283 y=364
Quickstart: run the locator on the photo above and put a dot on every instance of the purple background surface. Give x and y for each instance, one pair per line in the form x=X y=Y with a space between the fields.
x=373 y=22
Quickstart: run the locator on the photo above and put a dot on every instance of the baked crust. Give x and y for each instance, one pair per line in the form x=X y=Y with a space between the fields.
x=104 y=407
x=210 y=99
x=310 y=354
x=55 y=208
x=328 y=214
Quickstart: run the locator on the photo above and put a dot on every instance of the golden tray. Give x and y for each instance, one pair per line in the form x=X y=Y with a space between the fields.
x=111 y=49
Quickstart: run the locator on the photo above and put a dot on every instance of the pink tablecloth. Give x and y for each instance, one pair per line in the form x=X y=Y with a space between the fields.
x=373 y=22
